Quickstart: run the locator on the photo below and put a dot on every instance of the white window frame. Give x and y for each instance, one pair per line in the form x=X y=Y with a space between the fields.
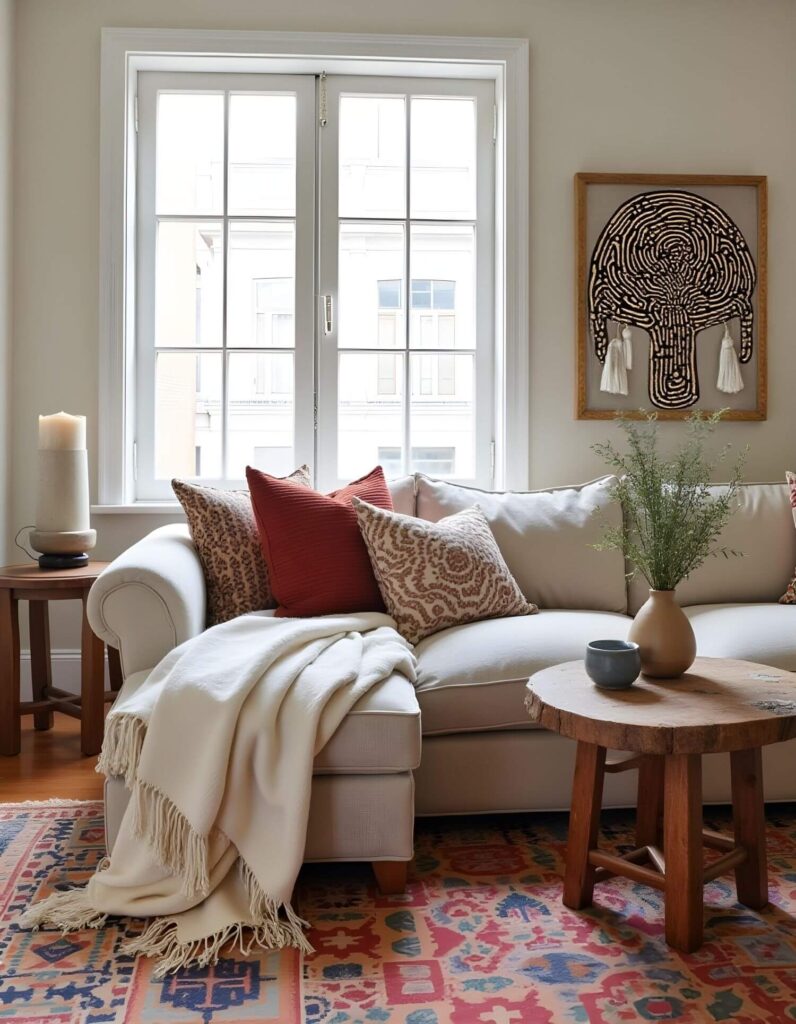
x=125 y=52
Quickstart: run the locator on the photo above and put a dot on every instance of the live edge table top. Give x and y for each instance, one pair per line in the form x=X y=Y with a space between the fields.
x=719 y=705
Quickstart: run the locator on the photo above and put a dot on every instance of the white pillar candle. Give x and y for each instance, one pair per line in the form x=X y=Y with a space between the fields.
x=63 y=501
x=62 y=432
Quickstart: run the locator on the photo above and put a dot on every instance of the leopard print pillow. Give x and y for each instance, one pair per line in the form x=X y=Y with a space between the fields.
x=223 y=529
x=436 y=575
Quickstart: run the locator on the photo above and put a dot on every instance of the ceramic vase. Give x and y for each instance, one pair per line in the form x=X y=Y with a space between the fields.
x=664 y=635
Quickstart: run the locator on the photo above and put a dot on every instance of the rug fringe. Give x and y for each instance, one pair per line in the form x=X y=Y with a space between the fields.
x=177 y=846
x=121 y=748
x=56 y=801
x=68 y=911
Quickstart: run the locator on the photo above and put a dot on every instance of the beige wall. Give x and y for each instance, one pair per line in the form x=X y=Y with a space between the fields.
x=6 y=123
x=624 y=85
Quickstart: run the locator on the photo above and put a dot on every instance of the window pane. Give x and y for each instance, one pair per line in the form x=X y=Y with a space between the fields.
x=443 y=286
x=189 y=284
x=368 y=418
x=261 y=285
x=190 y=153
x=442 y=412
x=443 y=158
x=260 y=413
x=262 y=155
x=187 y=415
x=371 y=271
x=372 y=156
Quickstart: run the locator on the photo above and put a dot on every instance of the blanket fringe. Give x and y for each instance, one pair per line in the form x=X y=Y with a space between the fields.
x=276 y=920
x=159 y=940
x=68 y=911
x=177 y=846
x=121 y=748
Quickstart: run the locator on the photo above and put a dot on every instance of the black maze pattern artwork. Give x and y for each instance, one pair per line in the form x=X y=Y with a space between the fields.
x=672 y=263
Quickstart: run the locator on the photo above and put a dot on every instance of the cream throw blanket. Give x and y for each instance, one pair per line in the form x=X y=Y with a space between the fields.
x=217 y=746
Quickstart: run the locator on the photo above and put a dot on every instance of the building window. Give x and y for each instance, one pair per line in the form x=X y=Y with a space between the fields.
x=428 y=294
x=390 y=294
x=273 y=311
x=433 y=461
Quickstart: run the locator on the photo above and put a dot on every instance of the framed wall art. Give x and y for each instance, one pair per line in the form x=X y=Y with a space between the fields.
x=671 y=295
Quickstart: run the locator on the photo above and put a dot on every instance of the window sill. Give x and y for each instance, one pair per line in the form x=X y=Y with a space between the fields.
x=160 y=508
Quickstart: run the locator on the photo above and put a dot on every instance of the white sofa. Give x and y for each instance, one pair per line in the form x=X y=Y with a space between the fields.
x=461 y=742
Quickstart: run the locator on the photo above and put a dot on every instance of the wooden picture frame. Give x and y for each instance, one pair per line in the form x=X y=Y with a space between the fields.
x=613 y=191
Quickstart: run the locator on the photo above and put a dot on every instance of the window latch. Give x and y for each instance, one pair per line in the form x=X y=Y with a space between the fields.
x=327 y=314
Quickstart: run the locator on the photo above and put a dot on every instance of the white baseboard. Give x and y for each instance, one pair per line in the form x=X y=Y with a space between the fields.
x=65 y=668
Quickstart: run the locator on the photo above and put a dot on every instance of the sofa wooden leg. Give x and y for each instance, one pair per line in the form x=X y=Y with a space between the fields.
x=390 y=876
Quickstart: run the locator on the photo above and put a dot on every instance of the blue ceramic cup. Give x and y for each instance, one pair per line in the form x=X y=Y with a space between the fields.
x=613 y=664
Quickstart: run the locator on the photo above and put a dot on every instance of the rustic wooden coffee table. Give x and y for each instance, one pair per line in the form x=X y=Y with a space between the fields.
x=719 y=706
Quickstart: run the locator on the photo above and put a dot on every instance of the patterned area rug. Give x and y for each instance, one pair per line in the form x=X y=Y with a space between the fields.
x=480 y=937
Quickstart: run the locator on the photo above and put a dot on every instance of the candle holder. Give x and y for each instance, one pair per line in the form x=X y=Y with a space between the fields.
x=63 y=531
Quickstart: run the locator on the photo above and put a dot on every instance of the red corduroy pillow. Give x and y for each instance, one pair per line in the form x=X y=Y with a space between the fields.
x=317 y=560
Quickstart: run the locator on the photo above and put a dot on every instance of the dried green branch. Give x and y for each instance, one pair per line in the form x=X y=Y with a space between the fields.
x=672 y=519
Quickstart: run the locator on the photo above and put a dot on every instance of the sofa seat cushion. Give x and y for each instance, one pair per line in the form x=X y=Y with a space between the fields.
x=765 y=633
x=380 y=735
x=473 y=677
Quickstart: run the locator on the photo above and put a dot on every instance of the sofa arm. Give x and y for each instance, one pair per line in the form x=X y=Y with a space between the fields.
x=150 y=599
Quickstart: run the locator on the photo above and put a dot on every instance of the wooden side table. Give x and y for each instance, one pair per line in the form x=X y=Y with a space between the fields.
x=38 y=587
x=721 y=705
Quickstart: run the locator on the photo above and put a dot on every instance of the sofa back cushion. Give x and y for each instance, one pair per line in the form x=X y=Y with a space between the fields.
x=546 y=538
x=402 y=492
x=762 y=528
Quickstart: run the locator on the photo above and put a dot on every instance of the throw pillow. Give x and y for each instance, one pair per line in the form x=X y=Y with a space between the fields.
x=225 y=534
x=435 y=575
x=317 y=560
x=789 y=597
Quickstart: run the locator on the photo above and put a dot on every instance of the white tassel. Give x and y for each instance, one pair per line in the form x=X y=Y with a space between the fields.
x=614 y=378
x=730 y=380
x=627 y=339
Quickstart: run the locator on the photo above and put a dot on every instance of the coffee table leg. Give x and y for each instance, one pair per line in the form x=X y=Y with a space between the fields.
x=749 y=824
x=649 y=802
x=92 y=689
x=682 y=827
x=10 y=725
x=584 y=823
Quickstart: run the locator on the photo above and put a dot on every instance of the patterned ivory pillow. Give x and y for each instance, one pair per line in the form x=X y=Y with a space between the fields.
x=435 y=575
x=789 y=597
x=225 y=534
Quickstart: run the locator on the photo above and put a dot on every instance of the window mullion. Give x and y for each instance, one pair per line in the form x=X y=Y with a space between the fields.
x=407 y=460
x=224 y=298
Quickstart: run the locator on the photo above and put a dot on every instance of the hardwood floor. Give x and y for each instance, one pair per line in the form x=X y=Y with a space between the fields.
x=49 y=765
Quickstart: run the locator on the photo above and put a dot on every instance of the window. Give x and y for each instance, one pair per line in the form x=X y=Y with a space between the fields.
x=273 y=311
x=407 y=208
x=240 y=211
x=390 y=294
x=434 y=461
